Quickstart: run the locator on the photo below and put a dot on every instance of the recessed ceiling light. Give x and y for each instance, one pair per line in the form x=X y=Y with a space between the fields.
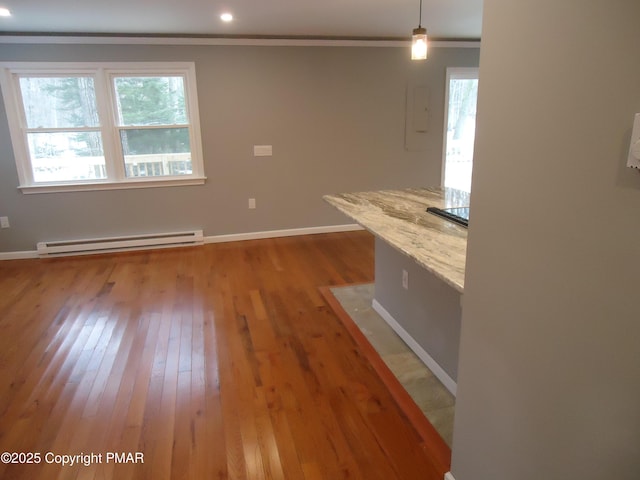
x=4 y=12
x=226 y=17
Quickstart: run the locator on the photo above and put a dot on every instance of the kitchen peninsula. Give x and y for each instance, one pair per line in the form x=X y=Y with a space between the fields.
x=419 y=268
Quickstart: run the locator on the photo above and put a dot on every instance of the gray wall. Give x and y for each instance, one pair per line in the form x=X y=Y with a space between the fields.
x=334 y=115
x=549 y=372
x=429 y=310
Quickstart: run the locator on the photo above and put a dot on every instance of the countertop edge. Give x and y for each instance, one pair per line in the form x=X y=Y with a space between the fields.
x=375 y=229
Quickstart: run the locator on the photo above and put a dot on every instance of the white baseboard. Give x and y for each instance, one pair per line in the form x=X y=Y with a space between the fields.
x=18 y=255
x=427 y=359
x=448 y=476
x=235 y=237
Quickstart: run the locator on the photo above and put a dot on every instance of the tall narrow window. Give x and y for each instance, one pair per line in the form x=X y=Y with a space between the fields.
x=460 y=126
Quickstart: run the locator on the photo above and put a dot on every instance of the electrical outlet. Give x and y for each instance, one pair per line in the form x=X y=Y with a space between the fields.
x=252 y=203
x=4 y=222
x=405 y=279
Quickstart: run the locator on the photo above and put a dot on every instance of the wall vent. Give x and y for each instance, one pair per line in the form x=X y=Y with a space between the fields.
x=119 y=244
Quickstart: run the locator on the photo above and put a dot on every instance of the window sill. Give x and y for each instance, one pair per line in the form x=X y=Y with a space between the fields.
x=123 y=185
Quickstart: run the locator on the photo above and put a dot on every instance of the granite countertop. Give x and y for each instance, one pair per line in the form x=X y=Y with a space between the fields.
x=399 y=218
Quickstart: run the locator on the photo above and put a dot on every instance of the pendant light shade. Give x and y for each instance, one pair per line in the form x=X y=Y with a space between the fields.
x=419 y=44
x=419 y=40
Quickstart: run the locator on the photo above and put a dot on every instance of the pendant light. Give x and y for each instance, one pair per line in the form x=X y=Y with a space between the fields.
x=419 y=40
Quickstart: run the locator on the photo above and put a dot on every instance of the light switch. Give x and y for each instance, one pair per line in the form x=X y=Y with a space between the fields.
x=262 y=150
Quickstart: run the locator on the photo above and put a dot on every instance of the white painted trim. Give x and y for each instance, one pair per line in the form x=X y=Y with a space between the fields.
x=235 y=237
x=221 y=41
x=18 y=255
x=123 y=185
x=228 y=238
x=448 y=476
x=427 y=359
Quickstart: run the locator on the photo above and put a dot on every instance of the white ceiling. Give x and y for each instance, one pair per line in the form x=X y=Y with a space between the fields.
x=450 y=19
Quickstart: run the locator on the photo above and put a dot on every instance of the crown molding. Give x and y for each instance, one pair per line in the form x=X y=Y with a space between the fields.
x=86 y=39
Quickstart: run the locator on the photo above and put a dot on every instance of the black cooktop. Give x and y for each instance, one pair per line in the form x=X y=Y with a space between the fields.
x=459 y=215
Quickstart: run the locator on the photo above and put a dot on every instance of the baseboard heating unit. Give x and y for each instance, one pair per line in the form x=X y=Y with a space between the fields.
x=119 y=244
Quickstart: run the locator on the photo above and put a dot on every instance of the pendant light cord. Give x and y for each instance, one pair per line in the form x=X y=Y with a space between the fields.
x=420 y=19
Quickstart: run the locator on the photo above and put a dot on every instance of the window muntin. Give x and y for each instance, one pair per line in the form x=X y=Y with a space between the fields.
x=103 y=125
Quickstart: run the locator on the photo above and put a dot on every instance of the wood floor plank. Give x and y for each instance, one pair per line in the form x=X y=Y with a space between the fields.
x=440 y=453
x=216 y=362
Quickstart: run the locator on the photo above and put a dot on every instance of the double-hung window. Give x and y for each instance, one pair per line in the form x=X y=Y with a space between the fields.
x=103 y=126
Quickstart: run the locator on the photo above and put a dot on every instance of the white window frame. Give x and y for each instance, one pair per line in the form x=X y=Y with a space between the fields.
x=456 y=73
x=103 y=74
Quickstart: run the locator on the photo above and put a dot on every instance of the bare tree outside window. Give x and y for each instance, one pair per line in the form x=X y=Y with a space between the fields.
x=460 y=126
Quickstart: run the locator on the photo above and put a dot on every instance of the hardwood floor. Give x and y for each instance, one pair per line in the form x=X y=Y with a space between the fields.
x=214 y=362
